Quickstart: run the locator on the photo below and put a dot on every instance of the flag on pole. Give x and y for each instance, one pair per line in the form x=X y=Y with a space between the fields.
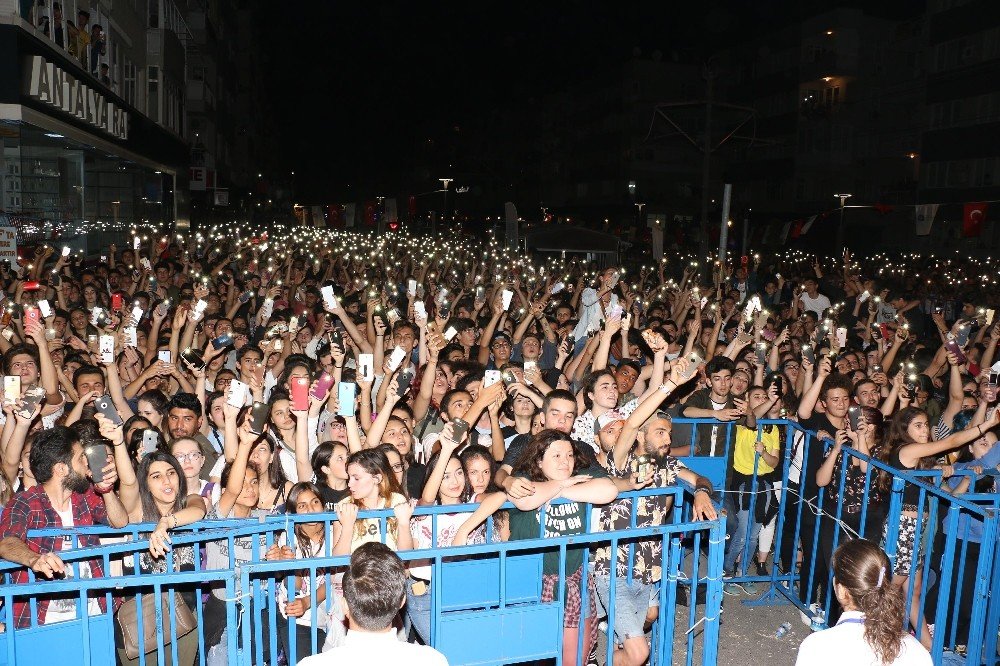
x=925 y=218
x=784 y=232
x=807 y=225
x=972 y=221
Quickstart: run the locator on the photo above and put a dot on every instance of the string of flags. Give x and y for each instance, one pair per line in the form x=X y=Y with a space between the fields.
x=974 y=215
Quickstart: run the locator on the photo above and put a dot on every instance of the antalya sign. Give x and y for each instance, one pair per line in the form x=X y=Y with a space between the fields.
x=52 y=85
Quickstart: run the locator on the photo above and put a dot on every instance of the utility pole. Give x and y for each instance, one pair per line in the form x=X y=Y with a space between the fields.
x=727 y=194
x=840 y=227
x=706 y=158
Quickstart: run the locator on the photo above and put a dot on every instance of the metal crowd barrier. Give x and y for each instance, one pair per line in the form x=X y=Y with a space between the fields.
x=490 y=590
x=960 y=575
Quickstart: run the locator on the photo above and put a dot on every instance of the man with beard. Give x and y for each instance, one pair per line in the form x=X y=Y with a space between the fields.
x=641 y=458
x=64 y=497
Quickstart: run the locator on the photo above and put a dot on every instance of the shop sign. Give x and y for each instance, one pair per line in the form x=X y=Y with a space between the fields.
x=8 y=245
x=50 y=84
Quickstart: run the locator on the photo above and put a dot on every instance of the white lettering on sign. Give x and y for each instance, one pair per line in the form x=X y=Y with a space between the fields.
x=8 y=245
x=50 y=84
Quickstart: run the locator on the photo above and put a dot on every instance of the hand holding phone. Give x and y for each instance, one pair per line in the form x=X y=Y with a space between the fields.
x=346 y=392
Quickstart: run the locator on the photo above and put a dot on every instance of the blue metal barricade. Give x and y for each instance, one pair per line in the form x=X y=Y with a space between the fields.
x=488 y=589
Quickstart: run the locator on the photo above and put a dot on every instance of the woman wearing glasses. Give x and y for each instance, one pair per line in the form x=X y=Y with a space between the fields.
x=189 y=454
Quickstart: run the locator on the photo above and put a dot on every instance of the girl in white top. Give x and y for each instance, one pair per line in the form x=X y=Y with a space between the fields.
x=870 y=631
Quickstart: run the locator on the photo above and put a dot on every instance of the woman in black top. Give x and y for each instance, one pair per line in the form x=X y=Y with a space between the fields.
x=911 y=448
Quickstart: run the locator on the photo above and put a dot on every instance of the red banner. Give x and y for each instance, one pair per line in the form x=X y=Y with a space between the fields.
x=370 y=213
x=972 y=220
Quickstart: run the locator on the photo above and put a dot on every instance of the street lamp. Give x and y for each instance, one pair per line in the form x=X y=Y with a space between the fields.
x=444 y=212
x=840 y=228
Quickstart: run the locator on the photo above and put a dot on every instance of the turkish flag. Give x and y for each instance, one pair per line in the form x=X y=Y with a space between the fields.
x=972 y=221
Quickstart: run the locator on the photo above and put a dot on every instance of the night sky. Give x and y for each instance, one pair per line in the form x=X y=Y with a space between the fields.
x=355 y=87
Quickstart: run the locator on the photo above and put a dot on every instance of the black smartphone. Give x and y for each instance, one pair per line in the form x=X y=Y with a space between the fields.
x=808 y=354
x=222 y=341
x=245 y=296
x=97 y=458
x=571 y=343
x=458 y=429
x=854 y=417
x=193 y=356
x=444 y=309
x=777 y=381
x=106 y=408
x=337 y=338
x=258 y=417
x=404 y=380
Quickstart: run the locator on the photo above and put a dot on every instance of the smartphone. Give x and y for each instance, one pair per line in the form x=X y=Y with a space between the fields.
x=411 y=288
x=450 y=334
x=144 y=262
x=393 y=316
x=528 y=365
x=459 y=428
x=777 y=382
x=222 y=341
x=32 y=316
x=107 y=409
x=238 y=392
x=953 y=346
x=45 y=308
x=131 y=336
x=346 y=392
x=912 y=383
x=854 y=417
x=337 y=339
x=107 y=348
x=245 y=296
x=507 y=296
x=762 y=353
x=366 y=366
x=694 y=362
x=258 y=417
x=11 y=388
x=444 y=310
x=164 y=355
x=31 y=285
x=323 y=384
x=556 y=288
x=300 y=393
x=884 y=330
x=491 y=378
x=809 y=354
x=32 y=398
x=65 y=251
x=841 y=337
x=137 y=313
x=403 y=381
x=396 y=358
x=116 y=301
x=55 y=280
x=194 y=357
x=508 y=377
x=419 y=309
x=329 y=300
x=962 y=338
x=97 y=458
x=150 y=442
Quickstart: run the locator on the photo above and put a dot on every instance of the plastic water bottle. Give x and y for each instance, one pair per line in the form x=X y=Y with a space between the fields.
x=783 y=630
x=818 y=620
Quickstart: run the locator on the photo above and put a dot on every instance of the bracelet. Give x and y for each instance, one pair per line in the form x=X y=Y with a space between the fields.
x=703 y=489
x=980 y=426
x=663 y=386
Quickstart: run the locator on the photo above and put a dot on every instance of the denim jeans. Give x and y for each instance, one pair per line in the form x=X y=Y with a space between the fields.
x=418 y=609
x=738 y=540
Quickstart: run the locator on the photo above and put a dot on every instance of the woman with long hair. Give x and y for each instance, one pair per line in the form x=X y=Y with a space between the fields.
x=911 y=448
x=870 y=630
x=554 y=465
x=329 y=463
x=152 y=406
x=310 y=541
x=371 y=488
x=157 y=492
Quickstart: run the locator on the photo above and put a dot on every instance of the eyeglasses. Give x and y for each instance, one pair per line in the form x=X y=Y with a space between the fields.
x=189 y=457
x=397 y=467
x=791 y=366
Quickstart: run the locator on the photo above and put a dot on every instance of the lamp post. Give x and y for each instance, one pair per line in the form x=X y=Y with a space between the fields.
x=840 y=228
x=444 y=212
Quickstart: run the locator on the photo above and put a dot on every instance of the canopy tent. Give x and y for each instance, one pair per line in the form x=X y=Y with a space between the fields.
x=603 y=247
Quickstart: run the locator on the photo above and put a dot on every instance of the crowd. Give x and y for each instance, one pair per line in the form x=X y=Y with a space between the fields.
x=198 y=377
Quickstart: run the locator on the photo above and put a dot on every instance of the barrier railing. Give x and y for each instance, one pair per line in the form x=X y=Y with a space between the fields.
x=492 y=589
x=957 y=569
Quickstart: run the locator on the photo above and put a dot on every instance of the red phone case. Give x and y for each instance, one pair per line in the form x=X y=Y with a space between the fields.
x=32 y=315
x=300 y=393
x=116 y=301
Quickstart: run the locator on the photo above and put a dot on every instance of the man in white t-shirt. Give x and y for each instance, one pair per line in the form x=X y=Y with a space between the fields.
x=374 y=591
x=811 y=300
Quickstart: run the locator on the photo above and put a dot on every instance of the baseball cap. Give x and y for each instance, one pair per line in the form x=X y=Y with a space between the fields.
x=609 y=417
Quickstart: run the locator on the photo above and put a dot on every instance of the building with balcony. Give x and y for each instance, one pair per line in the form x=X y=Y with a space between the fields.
x=92 y=114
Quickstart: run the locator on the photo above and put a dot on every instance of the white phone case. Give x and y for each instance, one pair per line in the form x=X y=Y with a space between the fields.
x=164 y=355
x=238 y=392
x=507 y=296
x=45 y=308
x=396 y=358
x=450 y=333
x=366 y=366
x=491 y=378
x=419 y=309
x=108 y=349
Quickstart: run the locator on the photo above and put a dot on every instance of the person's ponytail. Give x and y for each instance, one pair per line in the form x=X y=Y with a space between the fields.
x=884 y=607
